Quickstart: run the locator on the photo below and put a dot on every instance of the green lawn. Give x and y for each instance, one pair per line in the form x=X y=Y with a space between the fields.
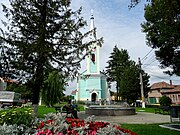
x=139 y=109
x=140 y=129
x=44 y=110
x=149 y=129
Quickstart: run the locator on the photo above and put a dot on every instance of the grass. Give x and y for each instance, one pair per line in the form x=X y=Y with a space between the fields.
x=140 y=129
x=149 y=129
x=150 y=110
x=44 y=110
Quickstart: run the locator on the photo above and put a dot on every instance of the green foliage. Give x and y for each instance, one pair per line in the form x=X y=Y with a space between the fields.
x=119 y=60
x=81 y=102
x=45 y=110
x=42 y=36
x=147 y=109
x=125 y=73
x=16 y=130
x=53 y=88
x=162 y=28
x=149 y=129
x=16 y=116
x=20 y=88
x=165 y=101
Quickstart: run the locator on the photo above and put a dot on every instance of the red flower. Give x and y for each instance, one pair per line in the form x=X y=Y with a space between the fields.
x=49 y=122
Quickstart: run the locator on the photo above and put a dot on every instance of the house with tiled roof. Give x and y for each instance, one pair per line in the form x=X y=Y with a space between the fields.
x=162 y=88
x=4 y=82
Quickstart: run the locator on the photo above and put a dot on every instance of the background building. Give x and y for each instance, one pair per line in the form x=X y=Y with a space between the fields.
x=92 y=84
x=162 y=88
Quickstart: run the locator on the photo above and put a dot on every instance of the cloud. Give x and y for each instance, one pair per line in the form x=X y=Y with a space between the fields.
x=118 y=26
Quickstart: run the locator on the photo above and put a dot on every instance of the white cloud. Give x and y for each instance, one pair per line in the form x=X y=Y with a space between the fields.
x=118 y=26
x=121 y=27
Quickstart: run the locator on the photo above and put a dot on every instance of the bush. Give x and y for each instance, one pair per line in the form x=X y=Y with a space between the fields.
x=165 y=101
x=56 y=124
x=16 y=130
x=16 y=116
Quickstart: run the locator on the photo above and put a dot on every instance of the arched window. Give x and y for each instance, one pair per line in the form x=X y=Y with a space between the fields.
x=93 y=57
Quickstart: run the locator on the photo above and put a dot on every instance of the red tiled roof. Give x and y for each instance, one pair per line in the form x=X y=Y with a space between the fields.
x=73 y=92
x=160 y=85
x=176 y=89
x=8 y=80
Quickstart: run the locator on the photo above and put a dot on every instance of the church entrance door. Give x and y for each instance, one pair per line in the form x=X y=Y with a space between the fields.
x=93 y=97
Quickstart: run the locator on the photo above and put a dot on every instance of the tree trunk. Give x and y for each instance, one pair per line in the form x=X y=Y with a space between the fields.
x=35 y=99
x=35 y=108
x=38 y=81
x=117 y=88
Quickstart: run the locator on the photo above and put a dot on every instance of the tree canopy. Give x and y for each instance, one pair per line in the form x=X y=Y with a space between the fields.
x=42 y=36
x=162 y=28
x=53 y=88
x=126 y=73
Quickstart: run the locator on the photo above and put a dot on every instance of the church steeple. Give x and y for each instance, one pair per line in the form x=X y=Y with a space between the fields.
x=93 y=57
x=92 y=27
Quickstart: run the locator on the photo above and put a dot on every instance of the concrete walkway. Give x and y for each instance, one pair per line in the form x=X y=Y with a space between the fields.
x=139 y=118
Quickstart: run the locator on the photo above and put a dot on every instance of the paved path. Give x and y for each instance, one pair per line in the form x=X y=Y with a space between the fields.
x=139 y=118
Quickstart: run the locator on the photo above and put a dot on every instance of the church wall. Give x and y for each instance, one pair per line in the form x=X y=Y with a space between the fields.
x=104 y=87
x=93 y=83
x=82 y=89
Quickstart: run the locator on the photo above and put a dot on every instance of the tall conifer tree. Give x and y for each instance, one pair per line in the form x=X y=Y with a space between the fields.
x=43 y=35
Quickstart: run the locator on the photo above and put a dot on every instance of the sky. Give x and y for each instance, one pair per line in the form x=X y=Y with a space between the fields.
x=121 y=27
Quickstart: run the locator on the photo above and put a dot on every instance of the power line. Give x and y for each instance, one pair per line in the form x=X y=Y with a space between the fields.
x=146 y=65
x=146 y=54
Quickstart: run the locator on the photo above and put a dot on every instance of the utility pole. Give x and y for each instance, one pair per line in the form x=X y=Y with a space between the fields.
x=141 y=83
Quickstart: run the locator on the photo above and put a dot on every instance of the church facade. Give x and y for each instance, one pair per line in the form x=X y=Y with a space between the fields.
x=92 y=84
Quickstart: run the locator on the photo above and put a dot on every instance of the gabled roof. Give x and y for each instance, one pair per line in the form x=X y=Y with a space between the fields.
x=161 y=85
x=73 y=92
x=7 y=80
x=174 y=90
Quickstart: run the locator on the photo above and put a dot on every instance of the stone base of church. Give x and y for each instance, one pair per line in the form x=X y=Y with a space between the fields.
x=110 y=111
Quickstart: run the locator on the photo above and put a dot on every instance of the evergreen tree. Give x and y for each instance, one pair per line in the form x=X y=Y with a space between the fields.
x=130 y=84
x=119 y=59
x=162 y=28
x=126 y=73
x=43 y=35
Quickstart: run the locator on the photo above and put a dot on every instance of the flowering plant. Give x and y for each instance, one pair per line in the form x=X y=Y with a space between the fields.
x=17 y=115
x=57 y=125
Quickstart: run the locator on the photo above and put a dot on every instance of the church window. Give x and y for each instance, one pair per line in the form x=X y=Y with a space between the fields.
x=93 y=57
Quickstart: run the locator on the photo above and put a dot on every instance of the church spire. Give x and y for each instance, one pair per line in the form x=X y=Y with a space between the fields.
x=92 y=27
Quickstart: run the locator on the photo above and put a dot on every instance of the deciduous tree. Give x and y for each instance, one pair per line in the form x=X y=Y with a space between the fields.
x=162 y=28
x=53 y=89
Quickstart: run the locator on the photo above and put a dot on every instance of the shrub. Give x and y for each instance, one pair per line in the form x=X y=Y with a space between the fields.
x=16 y=116
x=16 y=130
x=165 y=101
x=55 y=124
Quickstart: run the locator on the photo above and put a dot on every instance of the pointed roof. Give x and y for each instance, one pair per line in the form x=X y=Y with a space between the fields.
x=92 y=27
x=73 y=92
x=160 y=85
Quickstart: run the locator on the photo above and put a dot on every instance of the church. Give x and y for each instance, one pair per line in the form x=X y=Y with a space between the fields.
x=92 y=83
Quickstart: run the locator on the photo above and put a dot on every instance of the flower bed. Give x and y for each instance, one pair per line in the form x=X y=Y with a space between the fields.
x=70 y=126
x=55 y=124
